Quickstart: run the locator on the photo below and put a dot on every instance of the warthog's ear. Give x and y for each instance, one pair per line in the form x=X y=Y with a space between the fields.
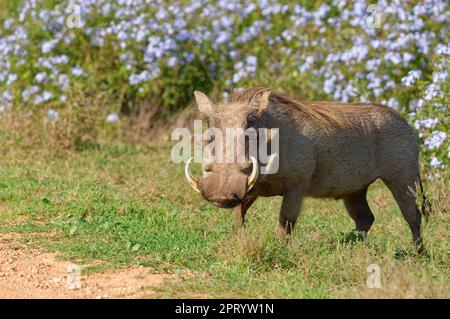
x=204 y=103
x=260 y=99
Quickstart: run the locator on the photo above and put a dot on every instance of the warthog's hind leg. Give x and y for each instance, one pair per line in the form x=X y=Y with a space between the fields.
x=405 y=194
x=359 y=210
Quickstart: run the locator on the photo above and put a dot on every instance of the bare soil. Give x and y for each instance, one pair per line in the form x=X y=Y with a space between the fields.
x=31 y=273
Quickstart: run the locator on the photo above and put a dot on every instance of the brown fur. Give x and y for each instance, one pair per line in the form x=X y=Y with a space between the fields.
x=327 y=149
x=318 y=112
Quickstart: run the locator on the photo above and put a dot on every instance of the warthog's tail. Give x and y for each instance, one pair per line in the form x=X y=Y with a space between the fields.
x=426 y=205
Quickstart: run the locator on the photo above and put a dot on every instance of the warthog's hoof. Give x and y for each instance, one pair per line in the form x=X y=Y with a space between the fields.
x=282 y=233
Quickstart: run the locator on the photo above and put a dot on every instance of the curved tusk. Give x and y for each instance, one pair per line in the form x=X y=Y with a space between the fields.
x=254 y=175
x=190 y=178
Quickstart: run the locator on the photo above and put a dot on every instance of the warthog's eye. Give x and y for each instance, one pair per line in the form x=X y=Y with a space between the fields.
x=210 y=139
x=251 y=121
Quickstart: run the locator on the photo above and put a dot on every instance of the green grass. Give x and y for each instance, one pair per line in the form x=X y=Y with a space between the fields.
x=130 y=205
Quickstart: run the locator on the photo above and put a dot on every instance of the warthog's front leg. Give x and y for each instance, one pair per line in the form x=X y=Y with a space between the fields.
x=240 y=211
x=290 y=209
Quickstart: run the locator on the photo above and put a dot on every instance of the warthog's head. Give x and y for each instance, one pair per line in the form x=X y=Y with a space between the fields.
x=225 y=182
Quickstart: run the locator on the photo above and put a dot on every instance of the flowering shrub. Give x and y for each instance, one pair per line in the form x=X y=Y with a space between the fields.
x=394 y=52
x=430 y=115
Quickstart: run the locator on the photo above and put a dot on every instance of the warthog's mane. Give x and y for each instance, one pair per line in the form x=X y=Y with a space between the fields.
x=318 y=113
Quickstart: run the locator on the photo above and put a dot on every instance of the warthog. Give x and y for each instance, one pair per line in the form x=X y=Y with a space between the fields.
x=326 y=149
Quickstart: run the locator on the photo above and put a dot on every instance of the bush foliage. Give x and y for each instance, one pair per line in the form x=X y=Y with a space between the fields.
x=120 y=52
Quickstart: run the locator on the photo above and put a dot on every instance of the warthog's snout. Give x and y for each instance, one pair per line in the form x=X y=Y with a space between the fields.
x=225 y=188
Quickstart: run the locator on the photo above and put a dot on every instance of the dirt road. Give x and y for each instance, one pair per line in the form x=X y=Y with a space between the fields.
x=31 y=273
